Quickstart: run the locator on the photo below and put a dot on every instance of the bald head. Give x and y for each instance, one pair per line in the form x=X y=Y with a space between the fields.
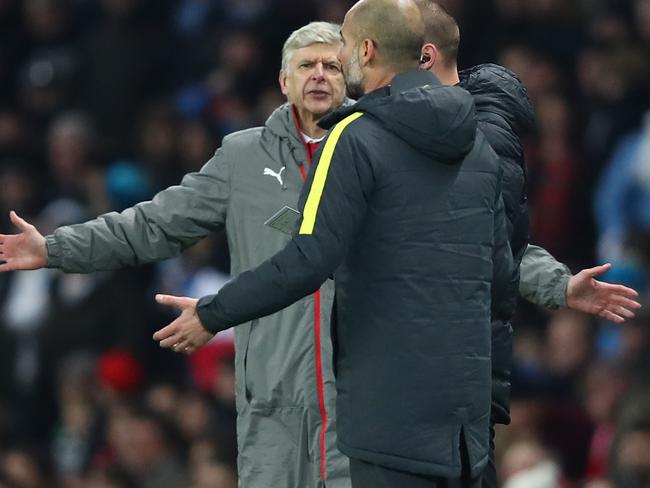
x=396 y=28
x=441 y=30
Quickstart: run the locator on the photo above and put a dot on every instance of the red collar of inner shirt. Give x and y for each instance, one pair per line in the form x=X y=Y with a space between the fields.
x=310 y=147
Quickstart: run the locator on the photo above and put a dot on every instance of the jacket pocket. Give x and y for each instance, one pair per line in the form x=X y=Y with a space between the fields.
x=274 y=448
x=244 y=376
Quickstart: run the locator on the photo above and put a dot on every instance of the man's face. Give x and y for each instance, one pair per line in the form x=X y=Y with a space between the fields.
x=349 y=58
x=313 y=80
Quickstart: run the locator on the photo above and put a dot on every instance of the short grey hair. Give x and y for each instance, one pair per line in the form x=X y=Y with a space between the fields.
x=312 y=33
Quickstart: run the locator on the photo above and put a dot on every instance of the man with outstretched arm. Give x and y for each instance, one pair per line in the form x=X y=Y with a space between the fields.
x=254 y=174
x=404 y=207
x=505 y=115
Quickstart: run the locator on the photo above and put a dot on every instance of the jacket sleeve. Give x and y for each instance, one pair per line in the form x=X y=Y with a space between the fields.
x=544 y=280
x=505 y=278
x=333 y=203
x=150 y=231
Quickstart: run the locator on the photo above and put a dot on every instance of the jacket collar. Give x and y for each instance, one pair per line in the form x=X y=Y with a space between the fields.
x=400 y=83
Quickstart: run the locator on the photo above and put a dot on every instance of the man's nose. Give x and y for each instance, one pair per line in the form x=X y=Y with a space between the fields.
x=319 y=72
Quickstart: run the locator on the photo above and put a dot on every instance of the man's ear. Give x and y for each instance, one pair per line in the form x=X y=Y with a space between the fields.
x=367 y=52
x=282 y=79
x=428 y=56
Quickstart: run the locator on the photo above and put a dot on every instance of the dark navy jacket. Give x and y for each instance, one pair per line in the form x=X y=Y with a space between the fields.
x=505 y=115
x=404 y=205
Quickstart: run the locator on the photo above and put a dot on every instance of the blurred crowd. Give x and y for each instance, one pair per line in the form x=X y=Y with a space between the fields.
x=105 y=102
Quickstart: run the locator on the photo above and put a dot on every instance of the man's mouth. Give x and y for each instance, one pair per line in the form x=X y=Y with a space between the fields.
x=318 y=93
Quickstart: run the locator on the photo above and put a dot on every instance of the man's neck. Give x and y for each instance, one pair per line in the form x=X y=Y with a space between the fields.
x=308 y=123
x=447 y=76
x=378 y=79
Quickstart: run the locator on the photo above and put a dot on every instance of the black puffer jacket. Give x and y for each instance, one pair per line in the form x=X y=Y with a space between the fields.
x=505 y=115
x=405 y=204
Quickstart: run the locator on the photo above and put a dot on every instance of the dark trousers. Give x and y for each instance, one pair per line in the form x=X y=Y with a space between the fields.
x=367 y=475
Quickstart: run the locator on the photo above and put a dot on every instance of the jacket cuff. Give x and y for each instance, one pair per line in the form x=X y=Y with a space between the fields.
x=54 y=252
x=559 y=292
x=206 y=316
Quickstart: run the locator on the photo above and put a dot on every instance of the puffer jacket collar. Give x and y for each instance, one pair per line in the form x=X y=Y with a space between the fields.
x=498 y=90
x=438 y=121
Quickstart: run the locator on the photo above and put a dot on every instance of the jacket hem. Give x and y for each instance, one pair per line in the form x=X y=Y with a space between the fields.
x=411 y=465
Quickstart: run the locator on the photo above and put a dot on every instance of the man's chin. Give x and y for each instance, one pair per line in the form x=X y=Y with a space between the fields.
x=355 y=92
x=319 y=108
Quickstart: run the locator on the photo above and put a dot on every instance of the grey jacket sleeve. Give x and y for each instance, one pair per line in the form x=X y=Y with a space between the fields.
x=150 y=231
x=543 y=280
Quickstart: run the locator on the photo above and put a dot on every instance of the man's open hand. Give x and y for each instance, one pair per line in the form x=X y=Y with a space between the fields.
x=22 y=251
x=612 y=302
x=185 y=334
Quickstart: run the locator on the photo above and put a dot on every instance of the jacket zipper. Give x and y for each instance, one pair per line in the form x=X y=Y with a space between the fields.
x=317 y=333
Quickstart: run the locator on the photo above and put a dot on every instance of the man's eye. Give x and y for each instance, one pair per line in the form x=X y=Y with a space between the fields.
x=306 y=65
x=334 y=67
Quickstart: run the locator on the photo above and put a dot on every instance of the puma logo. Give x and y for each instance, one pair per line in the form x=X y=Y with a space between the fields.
x=277 y=176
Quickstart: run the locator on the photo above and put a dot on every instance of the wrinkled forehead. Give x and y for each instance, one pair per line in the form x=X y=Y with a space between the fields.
x=315 y=52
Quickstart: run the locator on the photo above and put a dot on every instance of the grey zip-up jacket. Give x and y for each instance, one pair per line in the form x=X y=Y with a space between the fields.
x=285 y=385
x=405 y=207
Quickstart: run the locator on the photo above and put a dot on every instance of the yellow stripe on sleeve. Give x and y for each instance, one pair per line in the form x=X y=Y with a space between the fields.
x=318 y=185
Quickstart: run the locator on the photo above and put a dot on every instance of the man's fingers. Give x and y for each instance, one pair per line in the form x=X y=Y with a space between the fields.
x=167 y=300
x=625 y=302
x=19 y=222
x=606 y=314
x=623 y=311
x=172 y=301
x=597 y=270
x=165 y=332
x=174 y=342
x=618 y=289
x=7 y=265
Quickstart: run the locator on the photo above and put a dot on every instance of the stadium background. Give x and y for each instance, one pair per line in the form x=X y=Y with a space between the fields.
x=103 y=103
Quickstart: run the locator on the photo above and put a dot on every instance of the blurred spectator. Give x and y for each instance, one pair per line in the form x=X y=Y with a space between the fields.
x=642 y=17
x=631 y=454
x=18 y=192
x=555 y=171
x=213 y=475
x=143 y=445
x=122 y=66
x=126 y=185
x=108 y=478
x=528 y=465
x=622 y=199
x=613 y=85
x=605 y=387
x=23 y=469
x=195 y=144
x=71 y=160
x=568 y=346
x=74 y=435
x=156 y=147
x=14 y=134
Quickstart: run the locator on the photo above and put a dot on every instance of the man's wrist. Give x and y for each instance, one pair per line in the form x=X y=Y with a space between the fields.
x=206 y=316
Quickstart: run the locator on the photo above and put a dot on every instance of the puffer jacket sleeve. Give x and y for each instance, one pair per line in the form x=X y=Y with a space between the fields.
x=333 y=203
x=505 y=274
x=150 y=231
x=544 y=280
